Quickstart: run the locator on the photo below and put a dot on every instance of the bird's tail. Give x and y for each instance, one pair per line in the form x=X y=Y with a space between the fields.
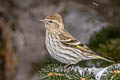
x=99 y=57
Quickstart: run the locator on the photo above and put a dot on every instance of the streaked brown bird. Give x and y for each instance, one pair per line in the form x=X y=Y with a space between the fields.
x=62 y=46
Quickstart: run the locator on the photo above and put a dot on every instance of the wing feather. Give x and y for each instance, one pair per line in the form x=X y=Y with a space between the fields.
x=68 y=40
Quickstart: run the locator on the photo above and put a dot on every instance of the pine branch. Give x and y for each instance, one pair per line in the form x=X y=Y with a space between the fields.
x=57 y=72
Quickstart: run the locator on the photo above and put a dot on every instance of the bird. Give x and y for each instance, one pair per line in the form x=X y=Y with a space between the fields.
x=62 y=46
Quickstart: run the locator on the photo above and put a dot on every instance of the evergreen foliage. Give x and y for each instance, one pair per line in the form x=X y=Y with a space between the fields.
x=112 y=73
x=106 y=42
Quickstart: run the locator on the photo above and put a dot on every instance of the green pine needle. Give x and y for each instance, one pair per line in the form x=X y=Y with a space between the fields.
x=57 y=72
x=54 y=72
x=112 y=73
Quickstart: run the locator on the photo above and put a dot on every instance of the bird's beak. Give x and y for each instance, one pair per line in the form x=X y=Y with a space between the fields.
x=43 y=20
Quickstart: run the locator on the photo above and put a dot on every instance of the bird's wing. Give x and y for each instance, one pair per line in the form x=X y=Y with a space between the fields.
x=68 y=40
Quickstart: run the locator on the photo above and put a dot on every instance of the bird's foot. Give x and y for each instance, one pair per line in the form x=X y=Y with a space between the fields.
x=63 y=67
x=66 y=66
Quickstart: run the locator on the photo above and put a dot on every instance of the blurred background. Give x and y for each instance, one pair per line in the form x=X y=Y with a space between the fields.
x=22 y=35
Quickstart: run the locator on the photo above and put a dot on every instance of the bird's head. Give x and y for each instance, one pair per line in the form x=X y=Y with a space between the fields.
x=53 y=22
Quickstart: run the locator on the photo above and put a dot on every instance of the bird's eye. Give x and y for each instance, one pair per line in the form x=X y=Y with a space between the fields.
x=50 y=22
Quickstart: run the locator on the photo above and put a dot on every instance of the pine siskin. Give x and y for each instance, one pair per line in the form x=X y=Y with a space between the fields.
x=62 y=46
